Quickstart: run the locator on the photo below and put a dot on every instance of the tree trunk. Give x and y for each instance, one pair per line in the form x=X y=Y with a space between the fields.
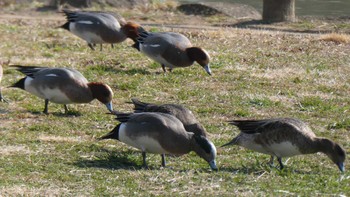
x=74 y=3
x=278 y=10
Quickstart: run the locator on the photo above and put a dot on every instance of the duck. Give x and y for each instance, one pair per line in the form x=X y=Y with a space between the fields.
x=62 y=86
x=185 y=115
x=285 y=137
x=170 y=49
x=95 y=27
x=160 y=133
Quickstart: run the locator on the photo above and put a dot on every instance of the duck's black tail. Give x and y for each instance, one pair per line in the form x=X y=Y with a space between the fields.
x=65 y=26
x=121 y=116
x=114 y=134
x=19 y=84
x=139 y=106
x=28 y=70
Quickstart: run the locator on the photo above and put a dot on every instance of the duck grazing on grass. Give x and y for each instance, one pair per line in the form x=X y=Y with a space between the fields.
x=95 y=27
x=62 y=86
x=170 y=49
x=285 y=137
x=185 y=115
x=160 y=133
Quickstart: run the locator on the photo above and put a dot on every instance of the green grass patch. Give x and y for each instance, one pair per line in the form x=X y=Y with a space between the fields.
x=256 y=74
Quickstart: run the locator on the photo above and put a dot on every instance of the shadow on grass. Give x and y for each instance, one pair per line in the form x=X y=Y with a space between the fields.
x=114 y=160
x=259 y=170
x=71 y=113
x=254 y=25
x=132 y=71
x=111 y=68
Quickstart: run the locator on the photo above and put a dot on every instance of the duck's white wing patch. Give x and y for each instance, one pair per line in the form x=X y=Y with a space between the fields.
x=85 y=22
x=51 y=75
x=154 y=45
x=144 y=143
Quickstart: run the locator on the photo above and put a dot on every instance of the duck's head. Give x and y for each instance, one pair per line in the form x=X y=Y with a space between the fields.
x=132 y=30
x=205 y=149
x=103 y=93
x=335 y=152
x=201 y=56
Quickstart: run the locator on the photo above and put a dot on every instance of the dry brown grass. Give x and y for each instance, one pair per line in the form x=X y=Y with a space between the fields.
x=256 y=74
x=336 y=38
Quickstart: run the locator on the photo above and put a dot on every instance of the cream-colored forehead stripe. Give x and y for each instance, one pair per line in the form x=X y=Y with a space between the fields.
x=206 y=52
x=213 y=148
x=110 y=89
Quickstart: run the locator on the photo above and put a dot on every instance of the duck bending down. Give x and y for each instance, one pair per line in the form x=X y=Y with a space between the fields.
x=285 y=137
x=172 y=50
x=185 y=115
x=160 y=133
x=95 y=27
x=62 y=86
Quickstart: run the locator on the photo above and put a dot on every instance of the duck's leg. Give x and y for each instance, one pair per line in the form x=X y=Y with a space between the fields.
x=112 y=46
x=279 y=159
x=144 y=160
x=46 y=106
x=2 y=99
x=163 y=67
x=100 y=47
x=163 y=160
x=91 y=46
x=65 y=109
x=271 y=160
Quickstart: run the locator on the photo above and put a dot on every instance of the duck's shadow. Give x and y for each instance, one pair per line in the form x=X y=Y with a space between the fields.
x=132 y=71
x=263 y=169
x=70 y=113
x=114 y=68
x=114 y=160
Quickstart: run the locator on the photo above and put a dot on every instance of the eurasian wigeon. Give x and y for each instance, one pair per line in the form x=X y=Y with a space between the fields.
x=160 y=133
x=95 y=27
x=170 y=49
x=62 y=86
x=285 y=137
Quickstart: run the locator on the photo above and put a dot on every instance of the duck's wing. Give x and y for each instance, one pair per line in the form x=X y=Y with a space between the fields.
x=259 y=126
x=29 y=70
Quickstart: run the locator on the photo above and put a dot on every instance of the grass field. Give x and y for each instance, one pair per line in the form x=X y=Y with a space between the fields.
x=256 y=74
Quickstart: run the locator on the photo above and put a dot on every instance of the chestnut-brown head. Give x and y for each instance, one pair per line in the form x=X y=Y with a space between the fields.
x=132 y=30
x=200 y=56
x=103 y=93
